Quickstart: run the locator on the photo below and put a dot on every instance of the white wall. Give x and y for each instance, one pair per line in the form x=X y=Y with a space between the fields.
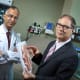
x=67 y=7
x=75 y=10
x=72 y=7
x=40 y=11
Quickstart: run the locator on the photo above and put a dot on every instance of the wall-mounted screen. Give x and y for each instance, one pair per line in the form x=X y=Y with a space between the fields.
x=78 y=30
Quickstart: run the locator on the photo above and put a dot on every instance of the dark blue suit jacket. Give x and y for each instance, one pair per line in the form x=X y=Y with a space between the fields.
x=60 y=66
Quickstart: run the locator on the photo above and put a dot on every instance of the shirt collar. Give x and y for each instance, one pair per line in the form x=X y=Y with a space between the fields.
x=60 y=44
x=5 y=29
x=57 y=41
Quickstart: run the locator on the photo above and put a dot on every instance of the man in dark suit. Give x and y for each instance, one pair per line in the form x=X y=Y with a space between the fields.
x=58 y=64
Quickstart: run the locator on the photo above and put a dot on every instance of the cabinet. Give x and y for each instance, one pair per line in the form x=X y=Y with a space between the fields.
x=6 y=2
x=76 y=36
x=2 y=10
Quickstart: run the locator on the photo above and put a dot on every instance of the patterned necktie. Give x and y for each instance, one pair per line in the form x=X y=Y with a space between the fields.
x=51 y=50
x=8 y=38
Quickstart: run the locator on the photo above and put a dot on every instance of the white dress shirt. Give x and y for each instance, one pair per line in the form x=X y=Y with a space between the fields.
x=60 y=44
x=55 y=47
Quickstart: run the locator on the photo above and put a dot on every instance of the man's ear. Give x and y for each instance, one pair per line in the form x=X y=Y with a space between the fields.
x=3 y=16
x=73 y=30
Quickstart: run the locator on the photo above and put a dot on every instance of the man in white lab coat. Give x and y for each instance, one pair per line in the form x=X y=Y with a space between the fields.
x=8 y=50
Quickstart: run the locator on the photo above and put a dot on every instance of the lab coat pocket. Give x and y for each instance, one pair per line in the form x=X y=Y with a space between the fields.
x=1 y=45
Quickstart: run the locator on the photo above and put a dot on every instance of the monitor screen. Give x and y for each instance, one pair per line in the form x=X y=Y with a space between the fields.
x=78 y=30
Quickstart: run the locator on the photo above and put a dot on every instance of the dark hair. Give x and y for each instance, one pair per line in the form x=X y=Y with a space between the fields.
x=12 y=7
x=73 y=22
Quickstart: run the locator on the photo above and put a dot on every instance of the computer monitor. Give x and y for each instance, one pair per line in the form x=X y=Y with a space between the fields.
x=78 y=30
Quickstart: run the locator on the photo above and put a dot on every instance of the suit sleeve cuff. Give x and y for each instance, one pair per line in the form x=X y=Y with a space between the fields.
x=37 y=58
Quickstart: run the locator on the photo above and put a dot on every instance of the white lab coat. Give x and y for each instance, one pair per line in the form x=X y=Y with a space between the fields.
x=6 y=62
x=15 y=43
x=15 y=39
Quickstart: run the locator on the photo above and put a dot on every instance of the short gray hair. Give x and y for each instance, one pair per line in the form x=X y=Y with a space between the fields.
x=12 y=7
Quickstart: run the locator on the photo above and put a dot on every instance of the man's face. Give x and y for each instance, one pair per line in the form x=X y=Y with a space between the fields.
x=63 y=29
x=10 y=18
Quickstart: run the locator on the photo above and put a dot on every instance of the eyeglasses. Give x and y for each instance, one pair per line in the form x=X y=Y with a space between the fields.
x=59 y=25
x=11 y=16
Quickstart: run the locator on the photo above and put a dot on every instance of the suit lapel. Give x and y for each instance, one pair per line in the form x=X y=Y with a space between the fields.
x=59 y=52
x=47 y=49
